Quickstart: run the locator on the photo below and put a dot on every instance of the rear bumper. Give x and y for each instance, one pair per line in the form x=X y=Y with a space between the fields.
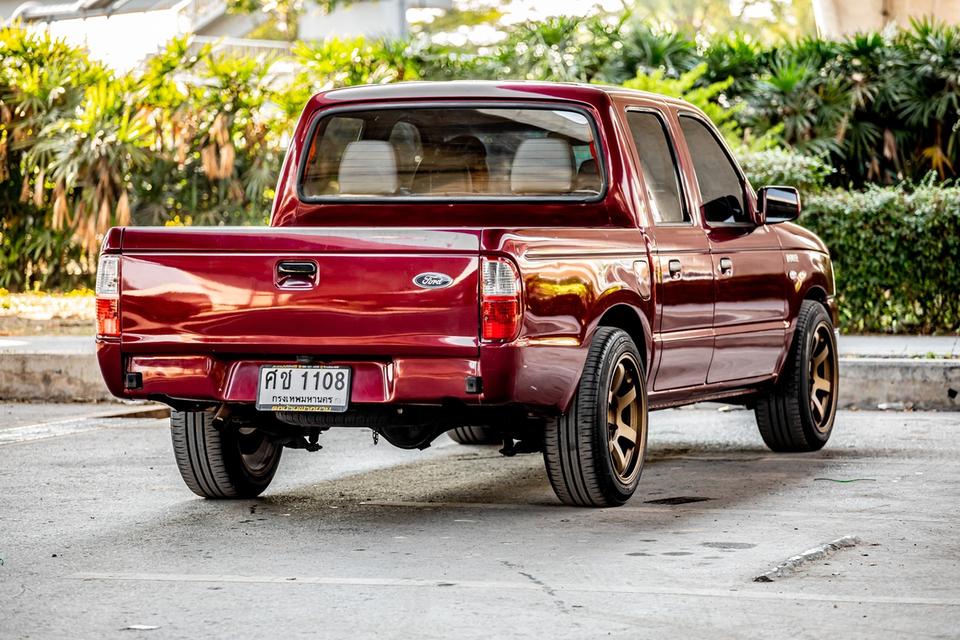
x=542 y=376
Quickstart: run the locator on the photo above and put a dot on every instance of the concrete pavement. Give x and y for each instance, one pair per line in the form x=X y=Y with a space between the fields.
x=98 y=535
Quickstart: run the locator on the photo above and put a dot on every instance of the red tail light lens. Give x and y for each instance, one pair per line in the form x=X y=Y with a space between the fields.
x=108 y=317
x=108 y=296
x=500 y=310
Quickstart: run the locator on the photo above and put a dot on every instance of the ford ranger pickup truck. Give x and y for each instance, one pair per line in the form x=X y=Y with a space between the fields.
x=529 y=264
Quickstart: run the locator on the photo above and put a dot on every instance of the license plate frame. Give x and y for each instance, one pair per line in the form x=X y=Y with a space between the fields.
x=298 y=398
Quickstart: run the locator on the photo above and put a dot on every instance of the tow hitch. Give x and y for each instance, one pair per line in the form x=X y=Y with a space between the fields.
x=512 y=447
x=308 y=443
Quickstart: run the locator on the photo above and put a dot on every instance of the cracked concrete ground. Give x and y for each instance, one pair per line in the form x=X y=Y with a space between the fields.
x=98 y=533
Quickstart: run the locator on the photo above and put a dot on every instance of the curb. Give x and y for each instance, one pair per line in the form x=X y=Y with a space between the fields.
x=50 y=377
x=905 y=383
x=865 y=383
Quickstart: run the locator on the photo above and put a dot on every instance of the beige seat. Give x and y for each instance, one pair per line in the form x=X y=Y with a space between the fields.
x=368 y=168
x=542 y=166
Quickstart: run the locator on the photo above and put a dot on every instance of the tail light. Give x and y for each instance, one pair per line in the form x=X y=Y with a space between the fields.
x=499 y=300
x=108 y=296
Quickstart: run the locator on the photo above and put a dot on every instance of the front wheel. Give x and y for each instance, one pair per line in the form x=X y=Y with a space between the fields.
x=594 y=453
x=798 y=414
x=475 y=435
x=222 y=463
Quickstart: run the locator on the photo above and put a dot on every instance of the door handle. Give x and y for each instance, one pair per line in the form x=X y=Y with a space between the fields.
x=675 y=269
x=296 y=274
x=726 y=266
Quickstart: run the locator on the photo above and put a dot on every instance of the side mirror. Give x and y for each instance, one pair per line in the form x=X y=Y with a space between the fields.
x=778 y=204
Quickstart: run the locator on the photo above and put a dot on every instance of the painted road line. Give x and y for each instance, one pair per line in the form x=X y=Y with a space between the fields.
x=750 y=593
x=60 y=428
x=46 y=430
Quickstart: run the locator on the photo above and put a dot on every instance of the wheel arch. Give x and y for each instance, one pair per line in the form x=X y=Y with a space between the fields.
x=630 y=319
x=815 y=292
x=819 y=293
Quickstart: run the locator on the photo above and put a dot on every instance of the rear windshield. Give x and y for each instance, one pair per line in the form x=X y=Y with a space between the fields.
x=453 y=153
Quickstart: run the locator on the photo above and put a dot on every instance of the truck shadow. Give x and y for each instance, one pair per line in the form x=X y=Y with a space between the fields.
x=676 y=481
x=475 y=503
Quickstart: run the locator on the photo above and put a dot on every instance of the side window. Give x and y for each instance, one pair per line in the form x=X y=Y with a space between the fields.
x=659 y=166
x=720 y=186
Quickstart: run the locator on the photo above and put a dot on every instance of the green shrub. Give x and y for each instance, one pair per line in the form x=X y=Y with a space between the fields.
x=688 y=86
x=785 y=167
x=896 y=256
x=33 y=256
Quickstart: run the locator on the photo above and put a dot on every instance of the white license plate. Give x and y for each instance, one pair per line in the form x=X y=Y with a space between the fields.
x=303 y=388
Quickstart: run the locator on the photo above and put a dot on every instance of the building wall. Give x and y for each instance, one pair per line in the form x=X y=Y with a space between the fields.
x=840 y=17
x=122 y=40
x=372 y=18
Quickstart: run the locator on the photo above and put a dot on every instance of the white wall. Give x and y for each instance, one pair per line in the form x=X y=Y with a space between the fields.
x=839 y=17
x=375 y=18
x=120 y=41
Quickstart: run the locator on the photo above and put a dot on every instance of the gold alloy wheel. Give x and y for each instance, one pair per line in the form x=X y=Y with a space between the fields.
x=823 y=377
x=626 y=419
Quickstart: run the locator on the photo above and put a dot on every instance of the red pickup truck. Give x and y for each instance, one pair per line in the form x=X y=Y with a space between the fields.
x=533 y=264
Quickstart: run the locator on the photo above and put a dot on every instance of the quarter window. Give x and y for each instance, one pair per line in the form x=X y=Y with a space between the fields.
x=721 y=190
x=659 y=167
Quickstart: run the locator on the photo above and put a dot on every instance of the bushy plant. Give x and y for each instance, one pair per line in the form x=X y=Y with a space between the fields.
x=780 y=166
x=896 y=255
x=217 y=143
x=689 y=87
x=197 y=137
x=35 y=256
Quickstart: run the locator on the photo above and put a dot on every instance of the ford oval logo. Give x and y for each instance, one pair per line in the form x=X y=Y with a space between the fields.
x=433 y=280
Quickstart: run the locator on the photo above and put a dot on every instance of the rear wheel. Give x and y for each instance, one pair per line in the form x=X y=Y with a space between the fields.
x=475 y=435
x=222 y=463
x=594 y=453
x=798 y=414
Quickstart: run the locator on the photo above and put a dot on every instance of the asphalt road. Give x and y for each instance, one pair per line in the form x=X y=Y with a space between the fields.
x=98 y=534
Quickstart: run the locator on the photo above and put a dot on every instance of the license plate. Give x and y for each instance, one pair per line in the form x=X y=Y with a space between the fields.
x=303 y=388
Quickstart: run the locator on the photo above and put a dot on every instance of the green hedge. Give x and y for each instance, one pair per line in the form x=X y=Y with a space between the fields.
x=896 y=256
x=785 y=167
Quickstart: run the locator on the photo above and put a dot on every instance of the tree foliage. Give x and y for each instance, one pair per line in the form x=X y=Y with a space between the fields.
x=194 y=136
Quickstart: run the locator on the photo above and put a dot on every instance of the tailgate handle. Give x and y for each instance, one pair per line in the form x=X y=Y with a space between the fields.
x=296 y=274
x=289 y=268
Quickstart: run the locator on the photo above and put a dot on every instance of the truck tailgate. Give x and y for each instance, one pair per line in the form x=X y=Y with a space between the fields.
x=224 y=290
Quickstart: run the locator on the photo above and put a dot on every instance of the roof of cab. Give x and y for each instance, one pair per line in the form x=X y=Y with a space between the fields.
x=480 y=90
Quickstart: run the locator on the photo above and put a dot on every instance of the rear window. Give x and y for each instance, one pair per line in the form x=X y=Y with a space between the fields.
x=453 y=153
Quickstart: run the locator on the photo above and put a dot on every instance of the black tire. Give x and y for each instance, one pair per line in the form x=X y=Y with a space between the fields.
x=578 y=445
x=475 y=435
x=222 y=463
x=793 y=416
